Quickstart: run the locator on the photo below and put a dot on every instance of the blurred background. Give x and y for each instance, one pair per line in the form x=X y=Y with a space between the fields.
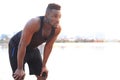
x=88 y=47
x=84 y=20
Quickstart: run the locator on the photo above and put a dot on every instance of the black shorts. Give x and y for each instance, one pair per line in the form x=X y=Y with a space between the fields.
x=32 y=58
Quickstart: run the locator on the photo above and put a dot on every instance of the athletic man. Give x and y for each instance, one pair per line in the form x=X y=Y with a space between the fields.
x=23 y=45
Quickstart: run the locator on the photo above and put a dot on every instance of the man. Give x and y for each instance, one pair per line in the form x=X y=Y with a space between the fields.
x=23 y=46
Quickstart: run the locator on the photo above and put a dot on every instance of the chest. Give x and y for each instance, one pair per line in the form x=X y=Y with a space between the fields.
x=46 y=32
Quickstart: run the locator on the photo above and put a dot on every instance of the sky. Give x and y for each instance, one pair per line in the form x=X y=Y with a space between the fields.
x=88 y=18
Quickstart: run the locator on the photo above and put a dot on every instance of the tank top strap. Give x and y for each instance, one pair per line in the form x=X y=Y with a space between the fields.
x=41 y=23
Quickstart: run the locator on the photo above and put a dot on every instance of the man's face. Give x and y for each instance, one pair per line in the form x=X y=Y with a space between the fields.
x=54 y=17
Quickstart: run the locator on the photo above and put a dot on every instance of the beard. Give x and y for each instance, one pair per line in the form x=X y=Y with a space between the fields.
x=49 y=21
x=55 y=25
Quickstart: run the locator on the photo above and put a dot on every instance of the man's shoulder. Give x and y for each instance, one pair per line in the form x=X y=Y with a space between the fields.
x=33 y=25
x=37 y=19
x=34 y=20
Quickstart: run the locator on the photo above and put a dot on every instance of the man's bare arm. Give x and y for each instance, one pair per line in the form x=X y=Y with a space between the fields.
x=27 y=33
x=49 y=45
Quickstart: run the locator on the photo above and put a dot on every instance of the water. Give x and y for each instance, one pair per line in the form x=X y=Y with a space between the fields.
x=75 y=61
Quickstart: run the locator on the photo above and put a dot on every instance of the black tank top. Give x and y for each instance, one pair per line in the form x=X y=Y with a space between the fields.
x=37 y=38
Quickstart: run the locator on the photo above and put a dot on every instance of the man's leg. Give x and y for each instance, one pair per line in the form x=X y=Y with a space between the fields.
x=13 y=57
x=34 y=61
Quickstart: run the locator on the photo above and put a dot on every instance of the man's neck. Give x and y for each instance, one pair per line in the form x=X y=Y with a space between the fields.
x=46 y=23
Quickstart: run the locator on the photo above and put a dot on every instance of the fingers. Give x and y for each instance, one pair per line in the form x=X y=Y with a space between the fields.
x=15 y=77
x=41 y=78
x=44 y=73
x=18 y=77
x=19 y=74
x=23 y=77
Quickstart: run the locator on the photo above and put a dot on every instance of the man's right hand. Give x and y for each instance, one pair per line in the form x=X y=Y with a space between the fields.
x=44 y=72
x=19 y=74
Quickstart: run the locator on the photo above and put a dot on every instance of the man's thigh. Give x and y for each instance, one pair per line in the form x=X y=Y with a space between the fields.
x=34 y=61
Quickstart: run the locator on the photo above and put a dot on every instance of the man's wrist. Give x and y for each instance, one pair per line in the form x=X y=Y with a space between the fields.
x=20 y=68
x=43 y=65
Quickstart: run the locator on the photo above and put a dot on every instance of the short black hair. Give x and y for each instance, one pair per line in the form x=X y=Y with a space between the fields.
x=53 y=6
